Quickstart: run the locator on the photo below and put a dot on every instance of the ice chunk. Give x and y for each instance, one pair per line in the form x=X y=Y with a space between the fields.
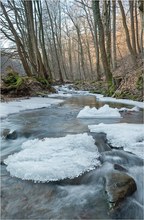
x=103 y=112
x=52 y=159
x=129 y=136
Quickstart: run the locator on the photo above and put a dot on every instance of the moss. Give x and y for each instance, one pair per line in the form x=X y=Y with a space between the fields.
x=13 y=80
x=111 y=89
x=43 y=81
x=126 y=94
x=139 y=83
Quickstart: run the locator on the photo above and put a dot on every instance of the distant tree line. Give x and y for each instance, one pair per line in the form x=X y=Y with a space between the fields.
x=70 y=40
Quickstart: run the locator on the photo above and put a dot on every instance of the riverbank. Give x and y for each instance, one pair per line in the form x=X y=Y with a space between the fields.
x=128 y=85
x=128 y=80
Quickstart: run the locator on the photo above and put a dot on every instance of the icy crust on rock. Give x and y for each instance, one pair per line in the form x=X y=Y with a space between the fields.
x=7 y=108
x=103 y=112
x=54 y=159
x=129 y=136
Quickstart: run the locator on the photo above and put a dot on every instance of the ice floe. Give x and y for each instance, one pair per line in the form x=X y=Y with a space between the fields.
x=53 y=159
x=103 y=112
x=7 y=108
x=128 y=136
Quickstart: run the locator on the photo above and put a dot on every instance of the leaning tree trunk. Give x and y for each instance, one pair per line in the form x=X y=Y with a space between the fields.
x=21 y=50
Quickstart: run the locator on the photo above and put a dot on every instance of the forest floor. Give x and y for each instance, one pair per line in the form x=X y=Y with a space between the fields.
x=128 y=79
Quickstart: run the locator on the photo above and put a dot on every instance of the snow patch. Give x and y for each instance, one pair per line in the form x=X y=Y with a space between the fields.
x=134 y=109
x=129 y=136
x=103 y=112
x=53 y=159
x=7 y=108
x=123 y=101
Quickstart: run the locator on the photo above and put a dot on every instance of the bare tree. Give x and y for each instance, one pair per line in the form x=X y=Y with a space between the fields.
x=97 y=18
x=131 y=50
x=114 y=33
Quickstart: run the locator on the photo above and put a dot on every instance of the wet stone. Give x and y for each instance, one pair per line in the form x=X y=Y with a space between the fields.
x=7 y=134
x=100 y=141
x=118 y=187
x=119 y=168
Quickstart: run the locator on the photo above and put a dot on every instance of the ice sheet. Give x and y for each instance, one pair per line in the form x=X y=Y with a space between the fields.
x=52 y=159
x=7 y=108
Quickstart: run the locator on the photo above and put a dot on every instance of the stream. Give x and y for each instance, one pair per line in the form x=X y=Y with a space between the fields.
x=79 y=198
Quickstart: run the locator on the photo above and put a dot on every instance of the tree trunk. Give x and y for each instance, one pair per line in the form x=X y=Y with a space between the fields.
x=131 y=5
x=137 y=28
x=127 y=32
x=93 y=30
x=96 y=42
x=114 y=33
x=48 y=74
x=97 y=17
x=21 y=51
x=141 y=9
x=53 y=35
x=89 y=53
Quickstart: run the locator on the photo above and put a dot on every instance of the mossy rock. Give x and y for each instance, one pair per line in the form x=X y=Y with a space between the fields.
x=13 y=80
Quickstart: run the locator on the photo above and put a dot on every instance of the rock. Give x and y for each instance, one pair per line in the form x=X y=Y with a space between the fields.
x=100 y=141
x=119 y=167
x=118 y=187
x=121 y=157
x=7 y=134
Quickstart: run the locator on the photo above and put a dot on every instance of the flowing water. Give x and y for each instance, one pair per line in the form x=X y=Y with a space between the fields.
x=81 y=198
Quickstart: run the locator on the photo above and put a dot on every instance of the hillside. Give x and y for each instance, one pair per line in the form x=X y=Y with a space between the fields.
x=128 y=79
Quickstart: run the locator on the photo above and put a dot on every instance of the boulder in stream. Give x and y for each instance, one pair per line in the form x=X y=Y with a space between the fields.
x=120 y=168
x=8 y=134
x=118 y=187
x=100 y=141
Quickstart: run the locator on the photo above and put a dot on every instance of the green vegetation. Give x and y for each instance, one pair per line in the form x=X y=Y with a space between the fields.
x=43 y=81
x=13 y=80
x=139 y=83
